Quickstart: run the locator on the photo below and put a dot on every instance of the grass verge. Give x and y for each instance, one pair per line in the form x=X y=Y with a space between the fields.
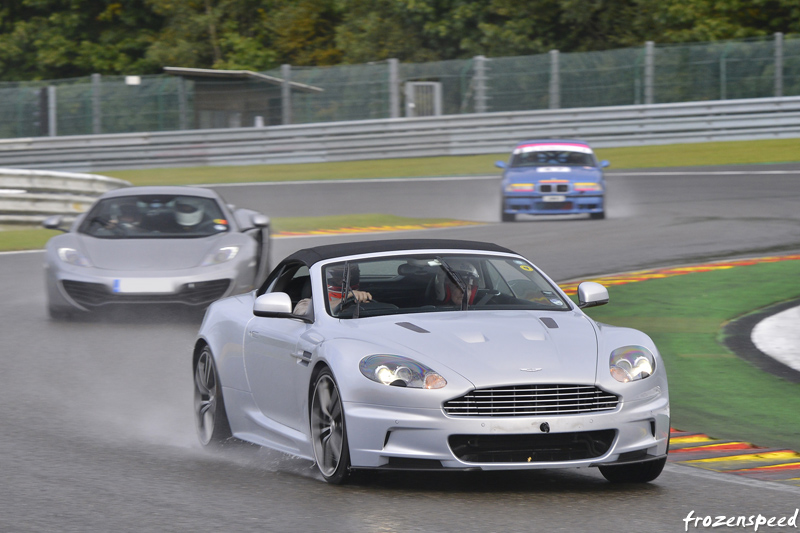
x=656 y=156
x=711 y=389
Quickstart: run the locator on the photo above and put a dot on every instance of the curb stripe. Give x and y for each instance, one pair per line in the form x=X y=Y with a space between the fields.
x=376 y=229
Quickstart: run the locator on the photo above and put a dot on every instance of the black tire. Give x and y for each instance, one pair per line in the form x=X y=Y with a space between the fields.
x=507 y=217
x=634 y=472
x=328 y=430
x=211 y=421
x=597 y=216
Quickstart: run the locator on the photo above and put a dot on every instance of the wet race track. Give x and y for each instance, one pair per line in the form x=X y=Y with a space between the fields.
x=97 y=428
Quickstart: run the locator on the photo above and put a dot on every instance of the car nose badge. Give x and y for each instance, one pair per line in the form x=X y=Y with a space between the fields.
x=530 y=369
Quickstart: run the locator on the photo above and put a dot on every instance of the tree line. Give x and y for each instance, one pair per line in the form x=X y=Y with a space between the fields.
x=54 y=39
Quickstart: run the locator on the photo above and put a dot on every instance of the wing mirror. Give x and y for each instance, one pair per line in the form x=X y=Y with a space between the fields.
x=500 y=164
x=54 y=222
x=604 y=164
x=259 y=221
x=591 y=294
x=273 y=304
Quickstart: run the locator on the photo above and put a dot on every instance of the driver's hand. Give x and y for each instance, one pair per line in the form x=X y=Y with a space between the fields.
x=361 y=296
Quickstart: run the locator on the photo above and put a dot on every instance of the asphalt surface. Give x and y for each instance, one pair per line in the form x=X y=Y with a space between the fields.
x=96 y=429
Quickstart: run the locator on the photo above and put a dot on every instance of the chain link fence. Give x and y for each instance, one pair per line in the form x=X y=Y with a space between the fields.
x=736 y=69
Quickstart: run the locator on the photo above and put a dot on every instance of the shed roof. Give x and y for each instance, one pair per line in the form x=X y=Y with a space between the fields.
x=187 y=72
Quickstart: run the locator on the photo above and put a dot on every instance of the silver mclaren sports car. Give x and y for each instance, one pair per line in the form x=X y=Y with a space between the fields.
x=154 y=245
x=429 y=355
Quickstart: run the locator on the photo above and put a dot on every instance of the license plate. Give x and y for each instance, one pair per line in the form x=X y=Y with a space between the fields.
x=143 y=285
x=554 y=198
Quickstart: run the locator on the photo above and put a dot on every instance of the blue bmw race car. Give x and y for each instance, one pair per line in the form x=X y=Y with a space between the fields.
x=553 y=177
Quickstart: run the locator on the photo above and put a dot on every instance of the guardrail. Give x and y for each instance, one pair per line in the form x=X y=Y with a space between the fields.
x=29 y=196
x=763 y=118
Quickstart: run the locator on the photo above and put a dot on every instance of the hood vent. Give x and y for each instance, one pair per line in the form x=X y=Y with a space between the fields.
x=549 y=322
x=412 y=327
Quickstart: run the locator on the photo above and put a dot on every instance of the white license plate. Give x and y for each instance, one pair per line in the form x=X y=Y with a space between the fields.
x=554 y=198
x=144 y=285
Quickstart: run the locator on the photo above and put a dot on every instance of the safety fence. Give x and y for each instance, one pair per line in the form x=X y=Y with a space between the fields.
x=177 y=101
x=485 y=133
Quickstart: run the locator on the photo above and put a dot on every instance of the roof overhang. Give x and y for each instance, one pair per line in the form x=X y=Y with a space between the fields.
x=187 y=72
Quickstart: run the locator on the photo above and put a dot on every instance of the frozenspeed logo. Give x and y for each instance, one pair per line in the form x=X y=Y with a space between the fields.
x=754 y=521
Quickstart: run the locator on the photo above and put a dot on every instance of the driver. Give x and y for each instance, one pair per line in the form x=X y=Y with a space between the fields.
x=188 y=213
x=448 y=292
x=334 y=279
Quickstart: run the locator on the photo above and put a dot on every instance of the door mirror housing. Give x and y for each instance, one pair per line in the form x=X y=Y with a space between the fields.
x=591 y=294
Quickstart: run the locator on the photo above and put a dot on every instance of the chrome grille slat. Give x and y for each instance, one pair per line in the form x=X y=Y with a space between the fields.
x=528 y=400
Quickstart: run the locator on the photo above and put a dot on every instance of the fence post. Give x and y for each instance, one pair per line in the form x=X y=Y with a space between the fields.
x=555 y=81
x=286 y=94
x=394 y=88
x=97 y=117
x=52 y=110
x=779 y=64
x=649 y=71
x=183 y=123
x=479 y=82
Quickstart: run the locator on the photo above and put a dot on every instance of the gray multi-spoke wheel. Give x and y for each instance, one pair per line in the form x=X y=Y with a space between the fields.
x=209 y=409
x=328 y=431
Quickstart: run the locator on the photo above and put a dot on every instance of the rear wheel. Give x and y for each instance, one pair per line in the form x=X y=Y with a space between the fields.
x=211 y=421
x=328 y=430
x=635 y=472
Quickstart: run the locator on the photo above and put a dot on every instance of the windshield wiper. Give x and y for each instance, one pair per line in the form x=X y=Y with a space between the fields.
x=458 y=281
x=346 y=290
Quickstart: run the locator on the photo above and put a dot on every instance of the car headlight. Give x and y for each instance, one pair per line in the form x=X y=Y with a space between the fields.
x=585 y=187
x=400 y=372
x=631 y=363
x=73 y=257
x=226 y=253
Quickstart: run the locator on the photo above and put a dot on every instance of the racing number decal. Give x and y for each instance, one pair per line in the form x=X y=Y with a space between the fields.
x=526 y=268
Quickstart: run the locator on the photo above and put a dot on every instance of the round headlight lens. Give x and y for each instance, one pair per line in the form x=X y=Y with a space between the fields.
x=631 y=363
x=400 y=372
x=73 y=257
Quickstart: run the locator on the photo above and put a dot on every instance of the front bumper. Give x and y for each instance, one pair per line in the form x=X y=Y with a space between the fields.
x=536 y=204
x=88 y=288
x=391 y=437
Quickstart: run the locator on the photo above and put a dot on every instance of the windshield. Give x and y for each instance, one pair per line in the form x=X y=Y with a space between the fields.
x=154 y=216
x=525 y=157
x=436 y=283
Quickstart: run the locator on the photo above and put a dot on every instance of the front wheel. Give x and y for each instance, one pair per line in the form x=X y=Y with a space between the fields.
x=211 y=420
x=598 y=216
x=328 y=430
x=635 y=472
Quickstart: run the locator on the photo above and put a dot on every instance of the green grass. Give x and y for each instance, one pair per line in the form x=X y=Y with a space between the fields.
x=24 y=239
x=716 y=153
x=711 y=389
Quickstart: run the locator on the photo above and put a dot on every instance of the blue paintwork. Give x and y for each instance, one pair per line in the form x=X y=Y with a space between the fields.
x=532 y=201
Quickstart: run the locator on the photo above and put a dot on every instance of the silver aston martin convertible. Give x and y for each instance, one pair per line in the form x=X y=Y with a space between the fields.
x=156 y=245
x=429 y=355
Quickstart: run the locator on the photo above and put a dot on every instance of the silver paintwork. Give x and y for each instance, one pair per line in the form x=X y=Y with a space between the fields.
x=153 y=269
x=267 y=368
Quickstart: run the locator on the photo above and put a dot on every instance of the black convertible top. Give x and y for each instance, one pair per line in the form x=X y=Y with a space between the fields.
x=309 y=256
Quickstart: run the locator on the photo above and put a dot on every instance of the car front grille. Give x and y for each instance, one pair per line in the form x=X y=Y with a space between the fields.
x=97 y=294
x=532 y=400
x=546 y=188
x=532 y=448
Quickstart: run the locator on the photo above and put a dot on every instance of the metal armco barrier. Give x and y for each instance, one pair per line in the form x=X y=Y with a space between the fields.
x=30 y=196
x=762 y=118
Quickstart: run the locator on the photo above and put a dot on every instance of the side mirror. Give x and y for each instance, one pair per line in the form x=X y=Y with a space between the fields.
x=604 y=164
x=591 y=294
x=273 y=304
x=500 y=164
x=259 y=221
x=54 y=222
